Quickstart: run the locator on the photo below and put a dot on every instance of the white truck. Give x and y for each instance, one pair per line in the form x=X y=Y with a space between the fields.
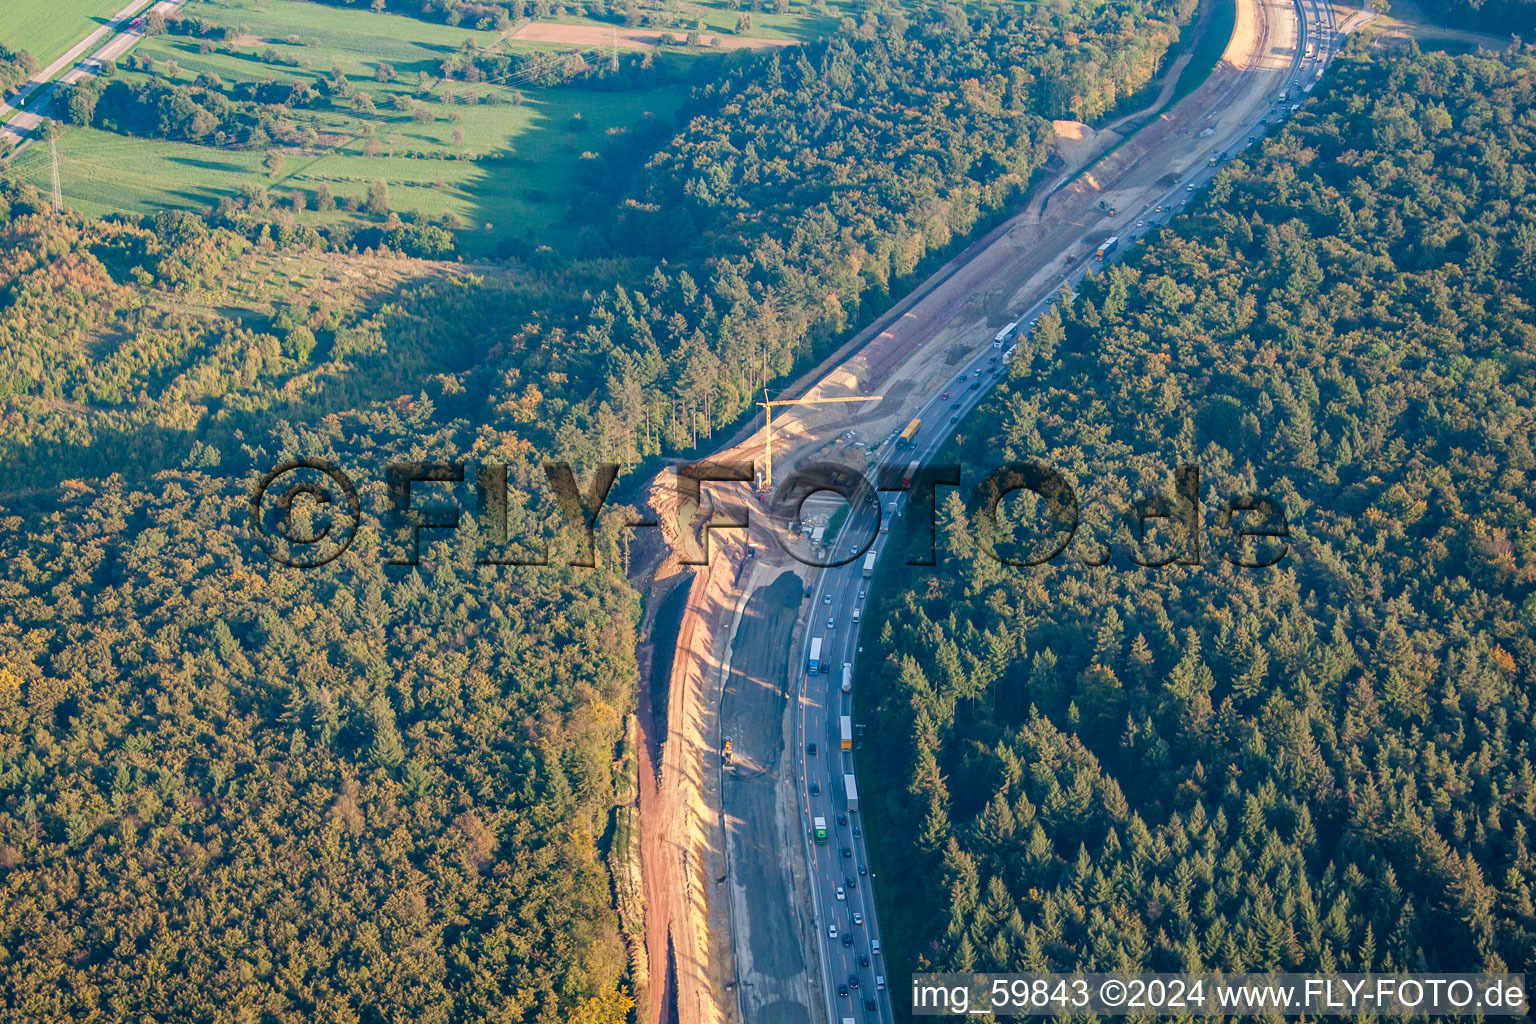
x=845 y=722
x=853 y=794
x=847 y=677
x=869 y=564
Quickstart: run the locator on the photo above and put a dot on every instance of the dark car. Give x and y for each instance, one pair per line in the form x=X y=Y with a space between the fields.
x=842 y=819
x=815 y=788
x=856 y=833
x=810 y=748
x=850 y=881
x=863 y=959
x=869 y=1004
x=842 y=990
x=863 y=870
x=975 y=384
x=847 y=852
x=853 y=981
x=847 y=938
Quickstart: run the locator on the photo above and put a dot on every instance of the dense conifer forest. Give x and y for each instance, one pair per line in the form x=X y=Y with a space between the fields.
x=1326 y=764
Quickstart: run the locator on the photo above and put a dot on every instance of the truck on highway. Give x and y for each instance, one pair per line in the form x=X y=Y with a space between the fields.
x=910 y=434
x=1003 y=335
x=845 y=724
x=819 y=824
x=814 y=662
x=847 y=677
x=1106 y=247
x=910 y=475
x=853 y=794
x=869 y=564
x=725 y=752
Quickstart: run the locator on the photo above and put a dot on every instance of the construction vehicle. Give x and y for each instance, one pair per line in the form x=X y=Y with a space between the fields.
x=853 y=794
x=814 y=662
x=1106 y=247
x=908 y=435
x=820 y=825
x=845 y=723
x=847 y=677
x=725 y=753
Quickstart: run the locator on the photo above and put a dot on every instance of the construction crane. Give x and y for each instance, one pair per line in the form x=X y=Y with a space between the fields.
x=768 y=423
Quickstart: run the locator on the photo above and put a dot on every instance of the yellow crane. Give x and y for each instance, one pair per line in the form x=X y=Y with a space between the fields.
x=768 y=423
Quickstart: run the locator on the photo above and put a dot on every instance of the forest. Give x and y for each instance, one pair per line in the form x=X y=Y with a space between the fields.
x=1323 y=765
x=235 y=792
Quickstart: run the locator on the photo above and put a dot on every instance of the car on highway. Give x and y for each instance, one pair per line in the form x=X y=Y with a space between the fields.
x=842 y=990
x=1190 y=187
x=869 y=1004
x=944 y=397
x=847 y=852
x=850 y=881
x=841 y=895
x=853 y=981
x=858 y=918
x=863 y=870
x=874 y=950
x=827 y=599
x=975 y=383
x=831 y=622
x=955 y=418
x=1141 y=223
x=847 y=938
x=815 y=788
x=842 y=819
x=831 y=931
x=863 y=959
x=810 y=748
x=856 y=833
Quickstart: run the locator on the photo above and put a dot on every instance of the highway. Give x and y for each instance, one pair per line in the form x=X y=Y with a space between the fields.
x=842 y=898
x=34 y=101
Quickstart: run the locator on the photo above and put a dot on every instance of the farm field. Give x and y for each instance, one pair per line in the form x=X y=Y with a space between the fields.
x=525 y=193
x=64 y=24
x=498 y=161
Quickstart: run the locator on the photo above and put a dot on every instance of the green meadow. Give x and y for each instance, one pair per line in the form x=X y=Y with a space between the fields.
x=47 y=28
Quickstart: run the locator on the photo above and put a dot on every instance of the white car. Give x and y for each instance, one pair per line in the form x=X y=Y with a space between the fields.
x=843 y=896
x=831 y=623
x=831 y=931
x=858 y=918
x=861 y=595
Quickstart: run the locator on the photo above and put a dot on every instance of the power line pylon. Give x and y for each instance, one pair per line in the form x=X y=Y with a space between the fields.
x=58 y=196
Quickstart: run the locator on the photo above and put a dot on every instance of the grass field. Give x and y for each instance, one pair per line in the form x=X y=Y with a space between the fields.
x=504 y=159
x=525 y=194
x=500 y=168
x=46 y=28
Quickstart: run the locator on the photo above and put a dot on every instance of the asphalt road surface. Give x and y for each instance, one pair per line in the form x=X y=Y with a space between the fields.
x=846 y=927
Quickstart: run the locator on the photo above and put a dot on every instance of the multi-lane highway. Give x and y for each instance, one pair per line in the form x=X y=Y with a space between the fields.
x=33 y=102
x=854 y=981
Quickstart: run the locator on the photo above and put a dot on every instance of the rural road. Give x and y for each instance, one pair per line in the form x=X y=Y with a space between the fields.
x=935 y=360
x=34 y=101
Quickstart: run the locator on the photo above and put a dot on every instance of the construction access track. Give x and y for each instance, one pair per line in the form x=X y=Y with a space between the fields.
x=723 y=848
